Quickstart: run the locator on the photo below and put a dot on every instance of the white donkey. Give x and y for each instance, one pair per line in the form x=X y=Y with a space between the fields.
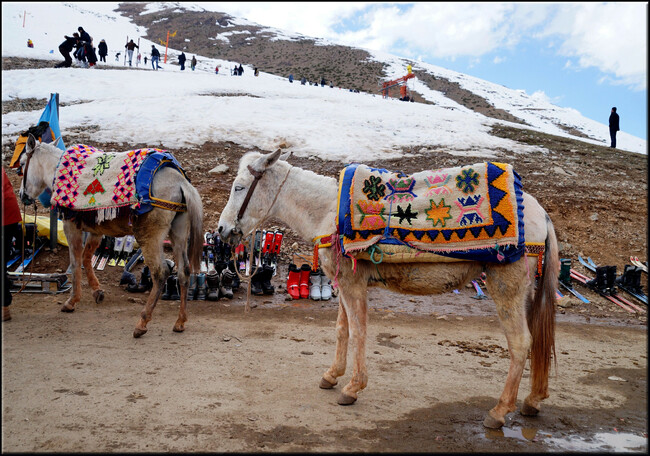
x=40 y=161
x=307 y=202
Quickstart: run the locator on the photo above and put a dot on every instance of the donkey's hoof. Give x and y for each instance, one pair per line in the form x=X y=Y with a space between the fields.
x=137 y=332
x=324 y=384
x=492 y=422
x=98 y=295
x=179 y=328
x=67 y=308
x=529 y=410
x=344 y=399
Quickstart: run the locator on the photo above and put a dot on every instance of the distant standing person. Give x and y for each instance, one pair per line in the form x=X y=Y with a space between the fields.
x=130 y=47
x=613 y=127
x=66 y=47
x=240 y=71
x=291 y=78
x=155 y=56
x=103 y=50
x=181 y=60
x=193 y=62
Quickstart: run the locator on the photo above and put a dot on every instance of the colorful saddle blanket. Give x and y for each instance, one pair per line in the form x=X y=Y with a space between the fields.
x=470 y=212
x=88 y=179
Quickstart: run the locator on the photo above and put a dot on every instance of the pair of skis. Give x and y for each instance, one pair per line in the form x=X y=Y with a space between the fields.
x=266 y=251
x=37 y=247
x=112 y=251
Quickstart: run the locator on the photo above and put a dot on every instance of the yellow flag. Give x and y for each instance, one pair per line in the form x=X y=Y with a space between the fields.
x=173 y=34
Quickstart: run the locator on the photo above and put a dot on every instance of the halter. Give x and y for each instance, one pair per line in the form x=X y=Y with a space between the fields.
x=257 y=175
x=24 y=182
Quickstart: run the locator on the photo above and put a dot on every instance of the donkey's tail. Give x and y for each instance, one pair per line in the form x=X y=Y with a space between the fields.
x=195 y=213
x=541 y=317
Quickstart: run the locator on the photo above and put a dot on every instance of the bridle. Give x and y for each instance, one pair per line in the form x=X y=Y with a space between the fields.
x=257 y=175
x=24 y=182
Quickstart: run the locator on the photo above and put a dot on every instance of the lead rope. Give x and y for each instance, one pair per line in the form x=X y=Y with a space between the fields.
x=242 y=278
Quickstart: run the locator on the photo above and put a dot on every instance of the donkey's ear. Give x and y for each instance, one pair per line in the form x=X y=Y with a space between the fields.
x=31 y=144
x=56 y=142
x=285 y=156
x=262 y=163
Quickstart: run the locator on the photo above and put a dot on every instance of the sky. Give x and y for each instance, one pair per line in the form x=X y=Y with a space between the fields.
x=174 y=108
x=589 y=56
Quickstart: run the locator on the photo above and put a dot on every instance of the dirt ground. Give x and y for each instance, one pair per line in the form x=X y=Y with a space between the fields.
x=248 y=382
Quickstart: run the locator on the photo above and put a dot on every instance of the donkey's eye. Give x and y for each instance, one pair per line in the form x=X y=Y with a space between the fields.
x=239 y=188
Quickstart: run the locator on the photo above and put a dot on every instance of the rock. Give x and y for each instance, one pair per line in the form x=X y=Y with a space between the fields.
x=219 y=169
x=593 y=217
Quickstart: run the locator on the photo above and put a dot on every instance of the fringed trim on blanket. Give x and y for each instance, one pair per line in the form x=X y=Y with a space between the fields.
x=93 y=218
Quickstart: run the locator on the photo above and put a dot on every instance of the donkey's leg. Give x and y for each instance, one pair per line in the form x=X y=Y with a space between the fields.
x=92 y=242
x=340 y=359
x=75 y=246
x=152 y=249
x=354 y=296
x=509 y=286
x=178 y=235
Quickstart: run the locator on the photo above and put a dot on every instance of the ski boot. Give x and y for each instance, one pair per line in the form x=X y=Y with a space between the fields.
x=225 y=290
x=303 y=283
x=326 y=288
x=192 y=288
x=236 y=283
x=565 y=271
x=256 y=281
x=610 y=276
x=200 y=287
x=145 y=282
x=128 y=279
x=293 y=281
x=171 y=291
x=599 y=283
x=212 y=281
x=267 y=287
x=315 y=280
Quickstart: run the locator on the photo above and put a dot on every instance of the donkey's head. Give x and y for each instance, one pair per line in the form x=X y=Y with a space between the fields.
x=251 y=196
x=36 y=175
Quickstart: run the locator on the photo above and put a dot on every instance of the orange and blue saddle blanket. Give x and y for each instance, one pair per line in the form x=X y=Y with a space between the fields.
x=469 y=212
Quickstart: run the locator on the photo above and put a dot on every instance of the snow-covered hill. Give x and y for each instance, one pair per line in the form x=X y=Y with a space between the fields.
x=187 y=108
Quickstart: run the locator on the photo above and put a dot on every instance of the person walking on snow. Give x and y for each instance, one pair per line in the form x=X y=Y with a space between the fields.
x=193 y=63
x=181 y=60
x=155 y=56
x=613 y=127
x=130 y=47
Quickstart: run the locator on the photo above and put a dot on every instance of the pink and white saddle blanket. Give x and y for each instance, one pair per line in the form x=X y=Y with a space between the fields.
x=88 y=179
x=470 y=212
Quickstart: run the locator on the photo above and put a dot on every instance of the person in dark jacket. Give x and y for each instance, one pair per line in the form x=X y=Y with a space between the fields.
x=181 y=60
x=193 y=63
x=103 y=50
x=240 y=71
x=613 y=127
x=11 y=228
x=155 y=56
x=87 y=43
x=130 y=47
x=66 y=47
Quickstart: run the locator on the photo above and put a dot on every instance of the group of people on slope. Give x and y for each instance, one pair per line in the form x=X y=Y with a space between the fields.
x=82 y=43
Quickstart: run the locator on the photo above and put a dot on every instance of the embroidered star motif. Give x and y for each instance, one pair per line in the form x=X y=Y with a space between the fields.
x=438 y=213
x=406 y=214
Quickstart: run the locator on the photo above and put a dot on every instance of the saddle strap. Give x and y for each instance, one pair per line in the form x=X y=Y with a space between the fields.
x=169 y=205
